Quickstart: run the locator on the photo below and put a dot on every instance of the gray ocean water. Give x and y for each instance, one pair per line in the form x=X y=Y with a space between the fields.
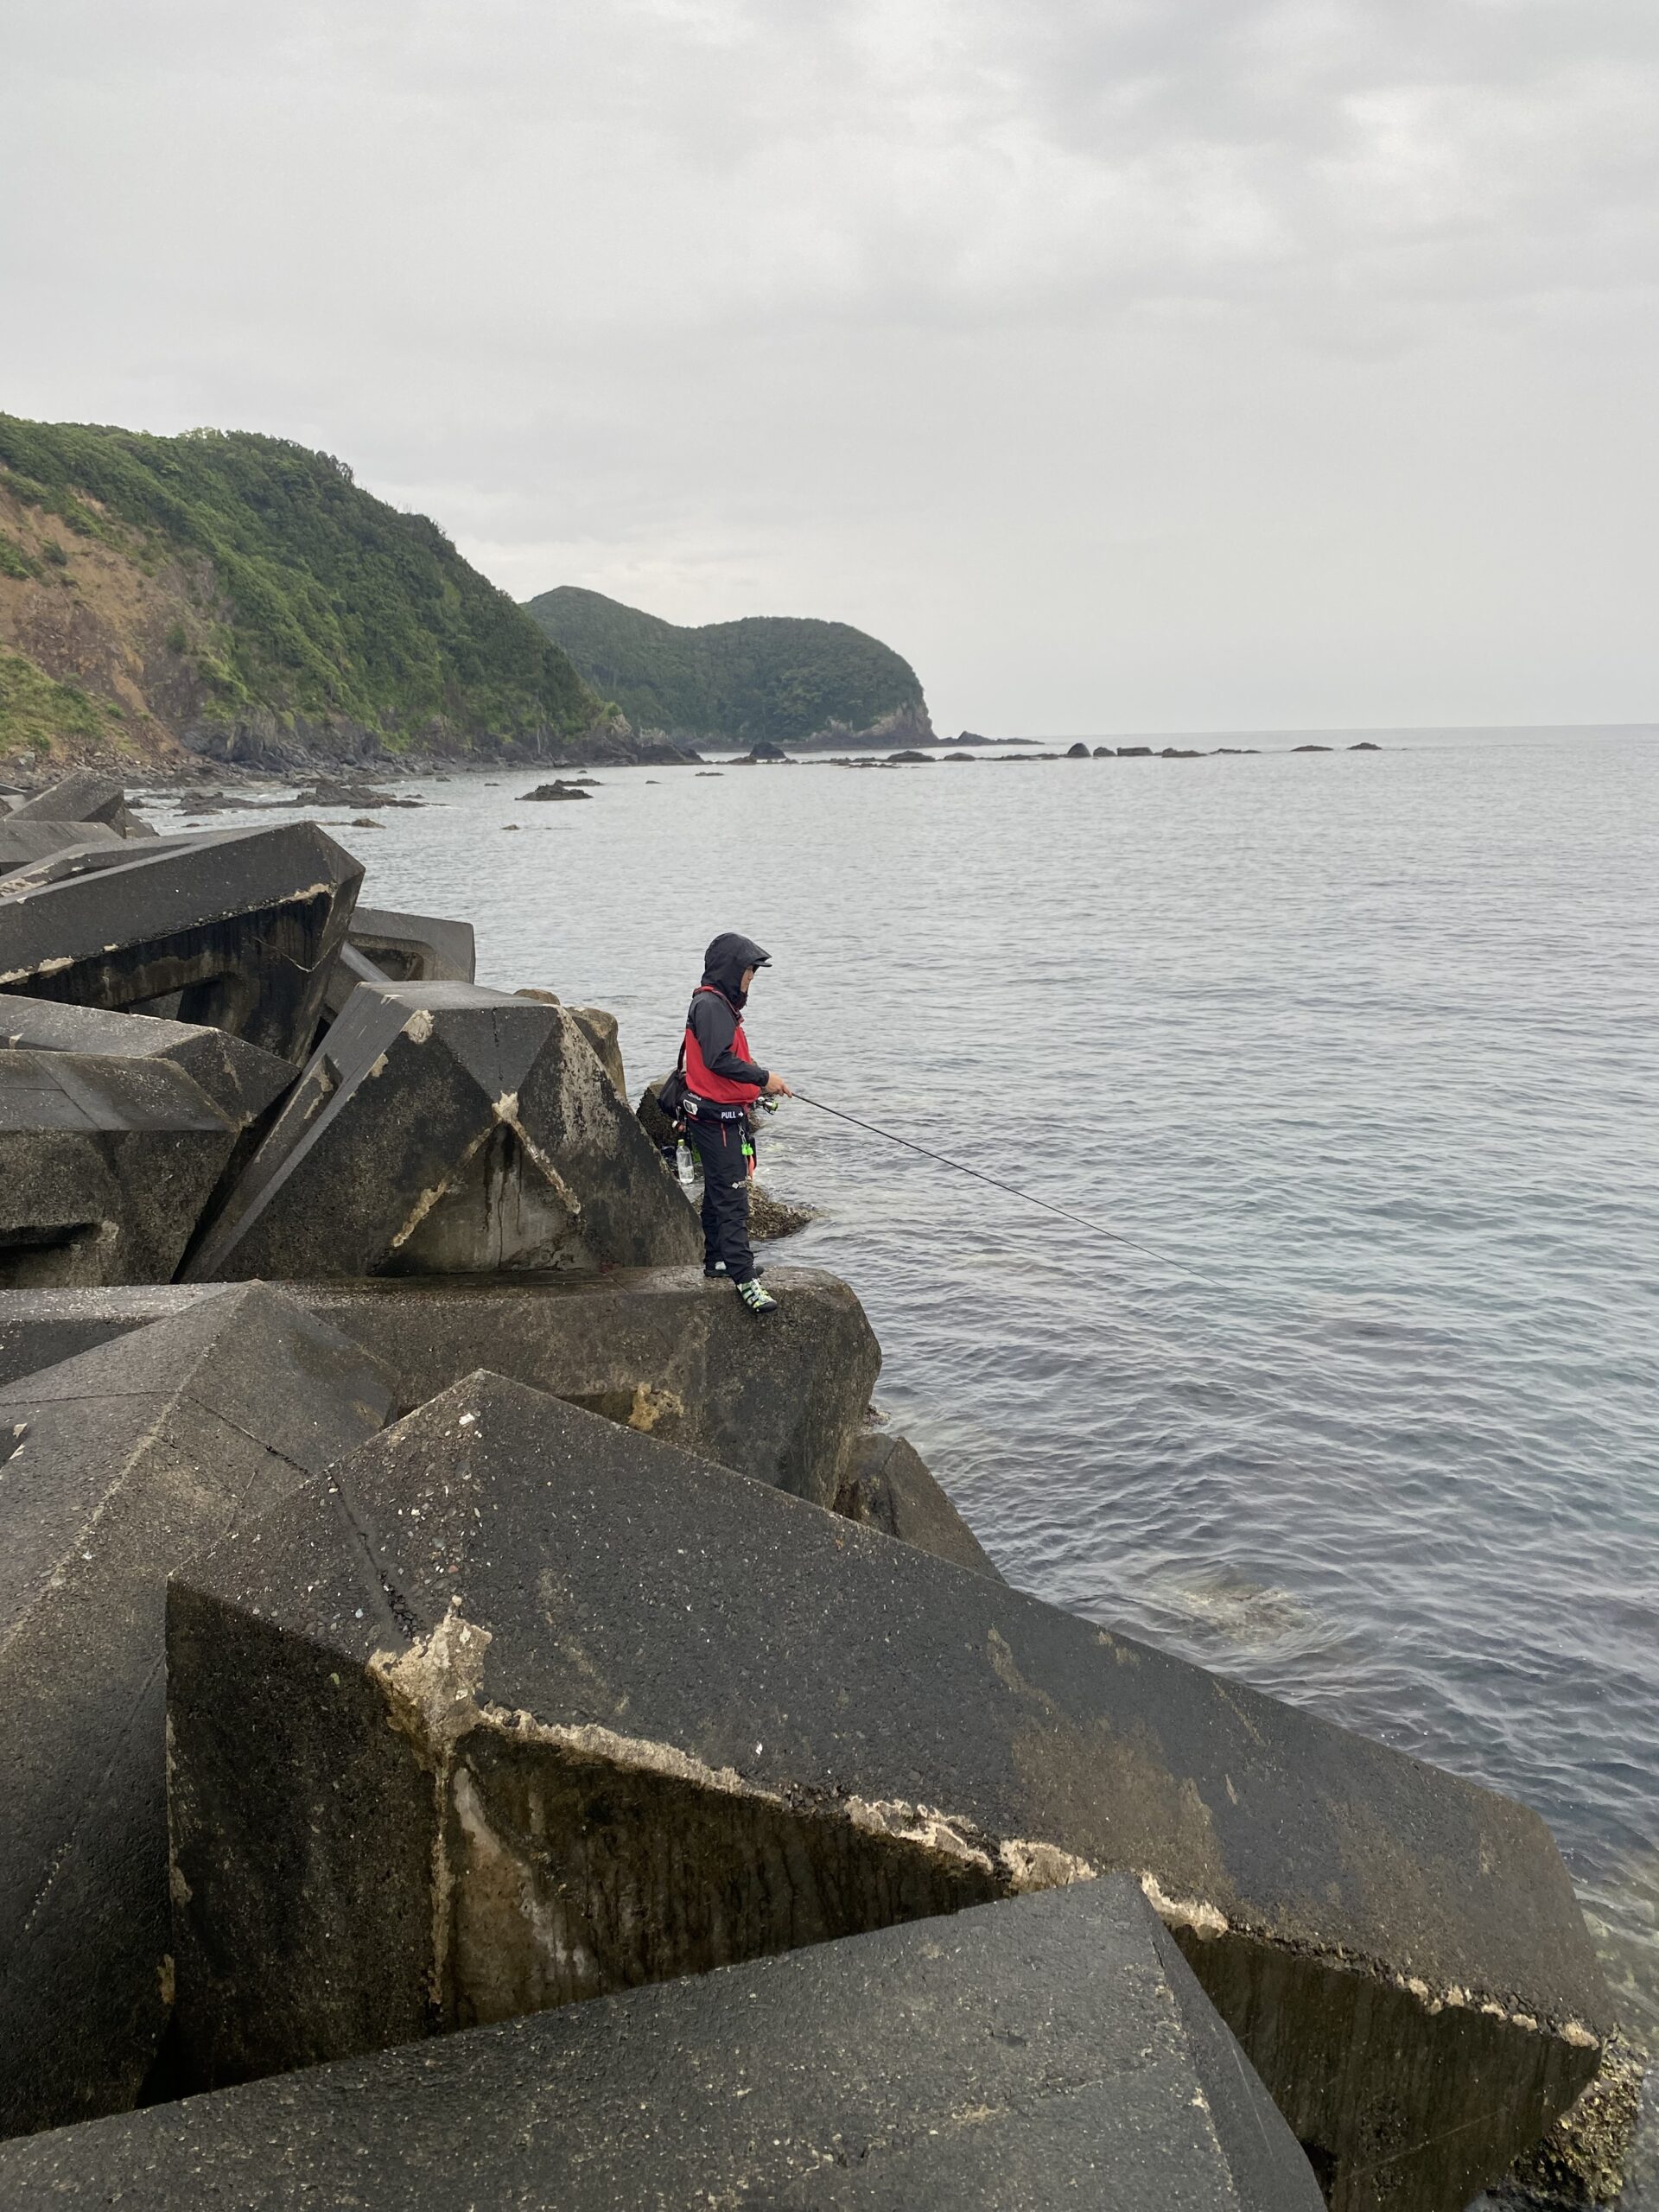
x=1367 y=1040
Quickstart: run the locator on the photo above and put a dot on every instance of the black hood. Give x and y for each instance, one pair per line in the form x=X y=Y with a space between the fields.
x=726 y=959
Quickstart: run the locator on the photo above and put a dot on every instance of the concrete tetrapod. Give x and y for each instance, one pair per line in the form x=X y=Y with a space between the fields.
x=657 y=1349
x=86 y=798
x=382 y=947
x=242 y=1082
x=22 y=845
x=116 y=1465
x=106 y=1166
x=520 y=1708
x=444 y=1130
x=415 y=948
x=241 y=925
x=1046 y=2052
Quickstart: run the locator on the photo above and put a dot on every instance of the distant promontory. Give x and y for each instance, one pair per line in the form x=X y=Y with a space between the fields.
x=769 y=677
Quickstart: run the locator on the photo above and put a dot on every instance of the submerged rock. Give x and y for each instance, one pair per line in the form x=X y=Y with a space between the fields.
x=770 y=1218
x=888 y=1486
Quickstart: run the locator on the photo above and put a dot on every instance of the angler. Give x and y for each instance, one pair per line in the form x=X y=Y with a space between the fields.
x=712 y=1094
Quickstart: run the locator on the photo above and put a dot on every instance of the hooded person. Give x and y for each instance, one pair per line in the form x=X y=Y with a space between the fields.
x=722 y=1083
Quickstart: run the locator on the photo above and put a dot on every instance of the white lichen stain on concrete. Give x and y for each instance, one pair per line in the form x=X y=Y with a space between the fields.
x=1202 y=1919
x=40 y=967
x=433 y=1688
x=429 y=1198
x=921 y=1824
x=507 y=1113
x=1206 y=1922
x=1031 y=1866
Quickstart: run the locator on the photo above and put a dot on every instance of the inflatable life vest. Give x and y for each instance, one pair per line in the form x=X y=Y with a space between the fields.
x=700 y=1079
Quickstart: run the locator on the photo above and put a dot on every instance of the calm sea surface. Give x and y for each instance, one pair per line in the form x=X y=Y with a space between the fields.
x=1368 y=1042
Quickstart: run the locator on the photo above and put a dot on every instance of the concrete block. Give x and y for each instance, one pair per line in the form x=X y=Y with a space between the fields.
x=443 y=1129
x=598 y=1026
x=117 y=1466
x=84 y=796
x=351 y=968
x=106 y=1167
x=24 y=844
x=42 y=1327
x=1048 y=2052
x=383 y=947
x=527 y=1709
x=887 y=1486
x=243 y=924
x=415 y=948
x=662 y=1351
x=241 y=1082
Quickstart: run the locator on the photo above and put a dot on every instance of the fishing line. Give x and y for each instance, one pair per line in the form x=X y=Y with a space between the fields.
x=1028 y=1197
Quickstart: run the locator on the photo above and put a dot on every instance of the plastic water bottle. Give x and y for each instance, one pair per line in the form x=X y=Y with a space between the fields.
x=683 y=1166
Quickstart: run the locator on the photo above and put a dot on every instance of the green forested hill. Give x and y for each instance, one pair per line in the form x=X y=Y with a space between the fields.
x=222 y=578
x=770 y=677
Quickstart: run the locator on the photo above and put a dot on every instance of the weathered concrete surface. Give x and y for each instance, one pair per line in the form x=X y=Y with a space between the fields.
x=351 y=968
x=888 y=1486
x=1051 y=2052
x=106 y=1166
x=660 y=1351
x=243 y=924
x=415 y=948
x=242 y=1082
x=443 y=1129
x=84 y=796
x=116 y=1466
x=605 y=1715
x=1584 y=2159
x=383 y=947
x=596 y=1025
x=40 y=1328
x=24 y=843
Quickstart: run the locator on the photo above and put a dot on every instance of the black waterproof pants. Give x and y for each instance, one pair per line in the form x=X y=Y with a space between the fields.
x=725 y=1195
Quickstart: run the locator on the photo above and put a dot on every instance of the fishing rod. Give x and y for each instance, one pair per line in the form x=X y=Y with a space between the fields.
x=1028 y=1197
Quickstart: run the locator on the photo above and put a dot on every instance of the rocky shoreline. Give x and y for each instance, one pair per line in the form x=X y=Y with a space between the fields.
x=492 y=1717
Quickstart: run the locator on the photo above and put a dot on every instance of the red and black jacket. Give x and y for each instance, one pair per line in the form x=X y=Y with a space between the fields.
x=718 y=1069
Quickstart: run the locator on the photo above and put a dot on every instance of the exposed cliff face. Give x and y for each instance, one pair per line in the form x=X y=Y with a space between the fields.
x=769 y=678
x=86 y=668
x=239 y=598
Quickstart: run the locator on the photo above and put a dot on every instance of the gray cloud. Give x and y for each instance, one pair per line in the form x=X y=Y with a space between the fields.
x=1128 y=365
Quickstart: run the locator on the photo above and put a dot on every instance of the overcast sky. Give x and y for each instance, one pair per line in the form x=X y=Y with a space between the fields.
x=1191 y=365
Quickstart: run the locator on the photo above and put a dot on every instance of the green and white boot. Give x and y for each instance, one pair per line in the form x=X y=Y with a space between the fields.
x=758 y=1300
